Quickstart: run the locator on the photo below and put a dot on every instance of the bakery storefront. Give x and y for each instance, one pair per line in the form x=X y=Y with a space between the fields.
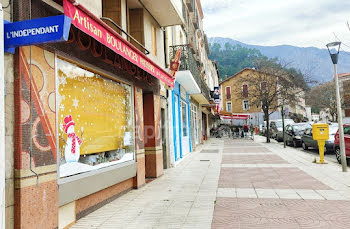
x=87 y=119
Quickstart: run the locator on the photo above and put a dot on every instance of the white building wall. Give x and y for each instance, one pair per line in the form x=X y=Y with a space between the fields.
x=8 y=89
x=94 y=7
x=148 y=22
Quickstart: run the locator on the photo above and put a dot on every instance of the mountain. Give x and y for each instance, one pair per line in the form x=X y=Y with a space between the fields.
x=311 y=61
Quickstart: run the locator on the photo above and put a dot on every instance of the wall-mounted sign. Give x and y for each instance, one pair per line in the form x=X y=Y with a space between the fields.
x=37 y=31
x=175 y=63
x=94 y=27
x=216 y=95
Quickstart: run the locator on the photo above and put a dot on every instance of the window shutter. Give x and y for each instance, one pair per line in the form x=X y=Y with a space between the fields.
x=228 y=93
x=154 y=40
x=112 y=10
x=136 y=27
x=245 y=90
x=263 y=86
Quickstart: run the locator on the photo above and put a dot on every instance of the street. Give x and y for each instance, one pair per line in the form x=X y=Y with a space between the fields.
x=329 y=156
x=235 y=184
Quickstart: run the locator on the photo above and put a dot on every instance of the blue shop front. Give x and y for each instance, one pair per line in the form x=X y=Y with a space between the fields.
x=181 y=128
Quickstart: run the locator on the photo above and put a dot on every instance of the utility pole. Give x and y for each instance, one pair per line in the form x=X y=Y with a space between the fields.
x=333 y=49
x=282 y=113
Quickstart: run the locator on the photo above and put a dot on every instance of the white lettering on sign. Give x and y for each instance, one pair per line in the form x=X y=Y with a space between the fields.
x=33 y=31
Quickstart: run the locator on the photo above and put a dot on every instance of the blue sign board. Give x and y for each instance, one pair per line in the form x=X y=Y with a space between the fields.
x=9 y=50
x=37 y=31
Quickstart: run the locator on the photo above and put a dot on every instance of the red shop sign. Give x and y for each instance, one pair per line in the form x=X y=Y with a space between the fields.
x=94 y=27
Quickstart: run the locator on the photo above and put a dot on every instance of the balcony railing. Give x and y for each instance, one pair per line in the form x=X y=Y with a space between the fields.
x=190 y=5
x=188 y=62
x=205 y=90
x=194 y=18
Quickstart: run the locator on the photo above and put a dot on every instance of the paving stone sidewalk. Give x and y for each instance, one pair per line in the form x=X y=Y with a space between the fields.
x=283 y=189
x=235 y=184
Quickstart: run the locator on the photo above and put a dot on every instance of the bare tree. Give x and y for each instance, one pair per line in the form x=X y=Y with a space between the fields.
x=272 y=85
x=322 y=97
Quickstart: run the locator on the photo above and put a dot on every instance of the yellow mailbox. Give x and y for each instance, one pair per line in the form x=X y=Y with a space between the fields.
x=320 y=132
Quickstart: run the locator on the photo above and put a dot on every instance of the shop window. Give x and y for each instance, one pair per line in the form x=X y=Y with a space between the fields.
x=246 y=105
x=184 y=118
x=95 y=120
x=228 y=92
x=154 y=40
x=112 y=10
x=245 y=91
x=228 y=107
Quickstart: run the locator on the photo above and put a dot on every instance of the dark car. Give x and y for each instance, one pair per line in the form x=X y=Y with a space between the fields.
x=346 y=140
x=293 y=133
x=276 y=128
x=309 y=142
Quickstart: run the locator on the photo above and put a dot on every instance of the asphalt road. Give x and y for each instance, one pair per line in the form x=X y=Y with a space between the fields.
x=329 y=156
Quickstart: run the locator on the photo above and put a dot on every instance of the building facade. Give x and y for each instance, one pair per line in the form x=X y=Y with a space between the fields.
x=92 y=117
x=87 y=115
x=344 y=88
x=237 y=101
x=194 y=80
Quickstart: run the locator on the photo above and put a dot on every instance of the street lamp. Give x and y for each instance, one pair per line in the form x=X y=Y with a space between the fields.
x=333 y=49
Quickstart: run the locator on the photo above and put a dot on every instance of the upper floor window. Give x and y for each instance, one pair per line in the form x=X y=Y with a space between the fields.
x=112 y=10
x=228 y=107
x=245 y=91
x=263 y=85
x=228 y=92
x=136 y=27
x=245 y=105
x=154 y=40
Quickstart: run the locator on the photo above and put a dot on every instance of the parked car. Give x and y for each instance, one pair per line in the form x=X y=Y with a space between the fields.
x=347 y=143
x=276 y=128
x=293 y=133
x=307 y=140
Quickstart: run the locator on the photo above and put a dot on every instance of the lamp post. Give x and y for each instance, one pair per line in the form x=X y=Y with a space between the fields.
x=333 y=49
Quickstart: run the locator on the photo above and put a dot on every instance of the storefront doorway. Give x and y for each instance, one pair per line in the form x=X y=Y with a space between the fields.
x=204 y=126
x=185 y=139
x=194 y=123
x=177 y=129
x=164 y=140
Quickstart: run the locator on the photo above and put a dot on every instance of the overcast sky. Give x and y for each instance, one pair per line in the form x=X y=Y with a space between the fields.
x=275 y=22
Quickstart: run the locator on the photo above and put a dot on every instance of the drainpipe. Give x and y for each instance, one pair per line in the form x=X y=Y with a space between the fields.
x=165 y=46
x=2 y=123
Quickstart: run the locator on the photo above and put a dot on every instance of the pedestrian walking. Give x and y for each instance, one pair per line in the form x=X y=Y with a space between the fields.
x=245 y=129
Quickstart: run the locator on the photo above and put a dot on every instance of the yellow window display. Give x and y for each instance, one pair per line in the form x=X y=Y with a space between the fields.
x=95 y=119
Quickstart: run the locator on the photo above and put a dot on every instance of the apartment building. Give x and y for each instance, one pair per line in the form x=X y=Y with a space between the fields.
x=344 y=87
x=84 y=117
x=89 y=118
x=190 y=110
x=237 y=100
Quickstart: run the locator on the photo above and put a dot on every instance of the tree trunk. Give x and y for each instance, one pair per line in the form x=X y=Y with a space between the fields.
x=267 y=126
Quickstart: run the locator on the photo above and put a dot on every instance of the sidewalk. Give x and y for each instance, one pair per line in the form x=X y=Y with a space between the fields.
x=235 y=184
x=182 y=198
x=266 y=186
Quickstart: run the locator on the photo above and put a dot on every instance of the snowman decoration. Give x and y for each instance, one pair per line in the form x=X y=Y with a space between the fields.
x=72 y=149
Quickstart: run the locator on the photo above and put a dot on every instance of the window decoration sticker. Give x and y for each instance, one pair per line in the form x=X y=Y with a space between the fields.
x=72 y=148
x=95 y=119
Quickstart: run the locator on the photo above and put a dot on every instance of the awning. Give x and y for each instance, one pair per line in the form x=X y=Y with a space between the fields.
x=235 y=116
x=90 y=24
